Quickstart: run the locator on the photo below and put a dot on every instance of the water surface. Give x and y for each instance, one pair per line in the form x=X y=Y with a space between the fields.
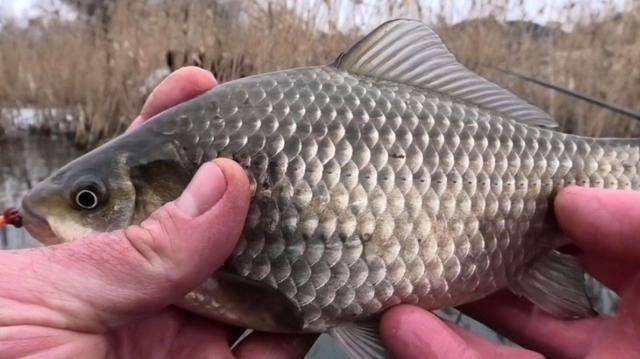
x=24 y=161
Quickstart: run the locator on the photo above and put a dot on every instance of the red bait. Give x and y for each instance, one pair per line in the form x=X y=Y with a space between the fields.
x=11 y=216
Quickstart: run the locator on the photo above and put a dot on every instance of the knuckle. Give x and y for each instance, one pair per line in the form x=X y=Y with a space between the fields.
x=156 y=241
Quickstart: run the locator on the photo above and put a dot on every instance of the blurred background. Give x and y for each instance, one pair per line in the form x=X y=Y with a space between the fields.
x=74 y=73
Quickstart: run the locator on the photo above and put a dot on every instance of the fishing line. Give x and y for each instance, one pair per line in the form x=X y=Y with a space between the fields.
x=593 y=100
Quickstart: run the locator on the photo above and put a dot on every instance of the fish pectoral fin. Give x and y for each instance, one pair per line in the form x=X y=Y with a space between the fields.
x=409 y=52
x=556 y=284
x=360 y=340
x=245 y=303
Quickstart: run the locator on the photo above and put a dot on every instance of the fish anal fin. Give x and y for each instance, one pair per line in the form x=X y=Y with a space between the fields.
x=360 y=340
x=409 y=52
x=556 y=284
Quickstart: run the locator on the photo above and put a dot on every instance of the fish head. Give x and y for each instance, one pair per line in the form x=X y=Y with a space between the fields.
x=91 y=194
x=110 y=188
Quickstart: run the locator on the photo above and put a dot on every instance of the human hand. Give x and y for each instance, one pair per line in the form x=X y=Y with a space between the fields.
x=109 y=295
x=604 y=224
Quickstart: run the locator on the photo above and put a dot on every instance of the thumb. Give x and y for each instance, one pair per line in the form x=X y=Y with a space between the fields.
x=601 y=221
x=100 y=282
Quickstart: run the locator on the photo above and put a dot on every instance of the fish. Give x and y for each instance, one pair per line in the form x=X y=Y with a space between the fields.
x=393 y=175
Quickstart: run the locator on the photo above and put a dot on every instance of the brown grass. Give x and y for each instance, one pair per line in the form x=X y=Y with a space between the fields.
x=99 y=67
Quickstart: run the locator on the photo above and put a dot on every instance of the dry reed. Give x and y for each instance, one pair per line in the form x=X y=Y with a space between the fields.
x=98 y=66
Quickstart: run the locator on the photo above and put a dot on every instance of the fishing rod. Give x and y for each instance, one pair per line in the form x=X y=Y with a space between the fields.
x=593 y=100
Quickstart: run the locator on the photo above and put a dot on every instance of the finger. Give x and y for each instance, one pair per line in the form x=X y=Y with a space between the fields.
x=410 y=332
x=172 y=333
x=30 y=341
x=520 y=321
x=613 y=274
x=104 y=280
x=629 y=310
x=601 y=221
x=198 y=339
x=179 y=86
x=269 y=345
x=489 y=349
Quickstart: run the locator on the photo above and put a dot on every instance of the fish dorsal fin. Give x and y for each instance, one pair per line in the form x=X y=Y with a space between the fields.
x=409 y=52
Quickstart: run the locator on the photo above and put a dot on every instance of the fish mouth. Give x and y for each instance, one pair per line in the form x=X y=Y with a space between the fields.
x=37 y=225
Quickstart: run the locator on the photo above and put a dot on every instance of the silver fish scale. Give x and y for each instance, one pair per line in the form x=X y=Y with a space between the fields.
x=369 y=193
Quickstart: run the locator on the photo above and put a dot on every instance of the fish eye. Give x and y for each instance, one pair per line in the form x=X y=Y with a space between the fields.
x=88 y=193
x=87 y=199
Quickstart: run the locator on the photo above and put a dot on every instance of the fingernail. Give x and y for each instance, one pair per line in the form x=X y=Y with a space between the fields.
x=204 y=191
